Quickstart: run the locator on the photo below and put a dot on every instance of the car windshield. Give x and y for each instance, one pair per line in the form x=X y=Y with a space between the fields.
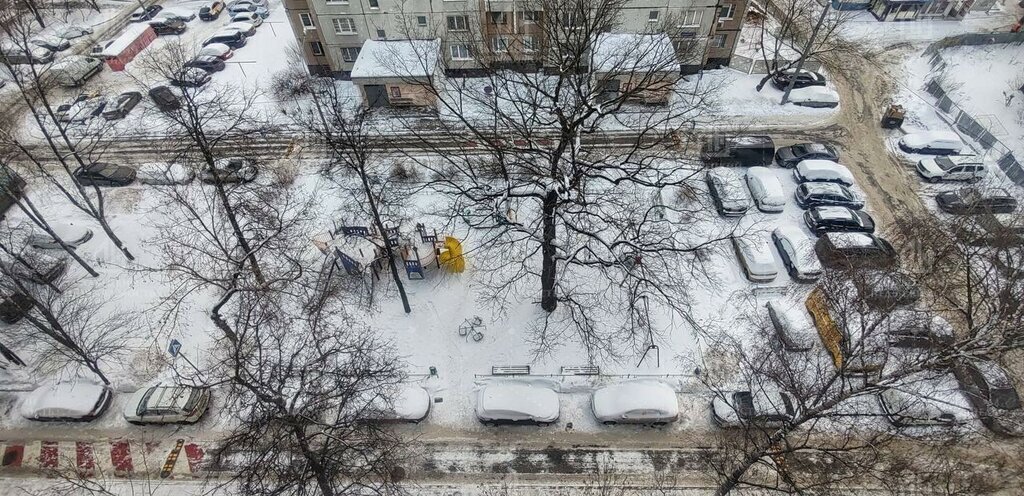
x=1005 y=399
x=192 y=400
x=744 y=403
x=945 y=163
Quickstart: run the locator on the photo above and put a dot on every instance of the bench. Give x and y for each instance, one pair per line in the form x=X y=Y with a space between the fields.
x=581 y=370
x=510 y=370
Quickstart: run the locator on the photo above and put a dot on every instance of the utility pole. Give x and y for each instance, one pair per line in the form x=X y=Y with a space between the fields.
x=807 y=48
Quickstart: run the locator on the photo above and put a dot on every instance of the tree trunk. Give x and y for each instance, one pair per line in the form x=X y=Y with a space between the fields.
x=548 y=298
x=53 y=329
x=388 y=250
x=26 y=205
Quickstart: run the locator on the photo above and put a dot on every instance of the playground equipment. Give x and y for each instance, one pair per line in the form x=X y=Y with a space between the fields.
x=356 y=249
x=352 y=247
x=424 y=249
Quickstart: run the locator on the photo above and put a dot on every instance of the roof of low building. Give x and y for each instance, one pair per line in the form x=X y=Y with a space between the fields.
x=397 y=58
x=634 y=52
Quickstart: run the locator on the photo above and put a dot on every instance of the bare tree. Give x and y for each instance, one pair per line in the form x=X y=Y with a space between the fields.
x=348 y=133
x=563 y=171
x=785 y=35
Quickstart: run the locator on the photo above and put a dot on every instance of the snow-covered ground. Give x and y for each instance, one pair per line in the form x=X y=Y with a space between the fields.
x=863 y=26
x=735 y=97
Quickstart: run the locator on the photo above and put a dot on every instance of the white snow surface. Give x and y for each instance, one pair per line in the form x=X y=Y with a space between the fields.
x=632 y=52
x=130 y=34
x=397 y=58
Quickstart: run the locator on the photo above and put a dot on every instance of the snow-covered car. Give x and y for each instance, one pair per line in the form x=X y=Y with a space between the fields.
x=145 y=13
x=908 y=328
x=44 y=268
x=814 y=97
x=960 y=168
x=165 y=174
x=932 y=143
x=410 y=404
x=516 y=402
x=973 y=201
x=801 y=79
x=789 y=156
x=246 y=28
x=991 y=392
x=71 y=31
x=837 y=219
x=827 y=194
x=51 y=42
x=177 y=15
x=219 y=50
x=636 y=402
x=823 y=171
x=726 y=188
x=241 y=7
x=190 y=77
x=755 y=256
x=16 y=54
x=797 y=252
x=229 y=170
x=76 y=401
x=120 y=106
x=167 y=404
x=247 y=17
x=766 y=189
x=885 y=289
x=792 y=325
x=73 y=235
x=924 y=401
x=845 y=250
x=761 y=409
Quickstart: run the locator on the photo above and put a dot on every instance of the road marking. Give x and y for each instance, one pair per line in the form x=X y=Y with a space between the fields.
x=85 y=460
x=172 y=458
x=121 y=458
x=13 y=455
x=48 y=455
x=194 y=455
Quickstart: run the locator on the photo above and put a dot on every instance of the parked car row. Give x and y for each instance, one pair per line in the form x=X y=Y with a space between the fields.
x=83 y=401
x=225 y=170
x=85 y=107
x=41 y=48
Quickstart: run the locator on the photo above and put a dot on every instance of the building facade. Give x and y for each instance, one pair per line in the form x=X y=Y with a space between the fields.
x=331 y=33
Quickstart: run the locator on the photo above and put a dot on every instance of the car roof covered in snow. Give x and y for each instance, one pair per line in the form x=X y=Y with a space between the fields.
x=822 y=169
x=397 y=58
x=756 y=250
x=849 y=240
x=518 y=399
x=633 y=52
x=618 y=399
x=823 y=188
x=924 y=138
x=833 y=213
x=815 y=93
x=62 y=400
x=769 y=181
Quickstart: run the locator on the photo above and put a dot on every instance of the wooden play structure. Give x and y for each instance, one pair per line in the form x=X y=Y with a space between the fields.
x=360 y=250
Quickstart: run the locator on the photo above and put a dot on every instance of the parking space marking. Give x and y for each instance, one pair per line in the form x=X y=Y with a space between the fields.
x=49 y=454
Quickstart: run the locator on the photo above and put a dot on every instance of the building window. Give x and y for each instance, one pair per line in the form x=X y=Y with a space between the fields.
x=306 y=20
x=349 y=54
x=529 y=45
x=652 y=16
x=572 y=20
x=693 y=17
x=316 y=47
x=530 y=16
x=344 y=25
x=498 y=18
x=342 y=2
x=718 y=41
x=727 y=11
x=381 y=34
x=396 y=92
x=374 y=4
x=499 y=43
x=421 y=21
x=458 y=23
x=459 y=51
x=685 y=46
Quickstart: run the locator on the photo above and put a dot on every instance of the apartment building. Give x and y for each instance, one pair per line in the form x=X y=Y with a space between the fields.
x=331 y=33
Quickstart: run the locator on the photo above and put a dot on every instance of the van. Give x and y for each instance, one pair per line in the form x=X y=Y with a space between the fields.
x=746 y=151
x=233 y=39
x=74 y=70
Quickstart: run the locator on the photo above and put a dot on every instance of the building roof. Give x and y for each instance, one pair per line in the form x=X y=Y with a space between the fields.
x=632 y=52
x=130 y=34
x=397 y=58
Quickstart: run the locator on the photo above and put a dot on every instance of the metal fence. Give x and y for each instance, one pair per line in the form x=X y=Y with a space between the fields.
x=960 y=118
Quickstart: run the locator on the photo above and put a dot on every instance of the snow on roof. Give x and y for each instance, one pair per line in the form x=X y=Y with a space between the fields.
x=63 y=399
x=130 y=34
x=397 y=58
x=815 y=93
x=830 y=212
x=925 y=138
x=821 y=169
x=849 y=240
x=633 y=52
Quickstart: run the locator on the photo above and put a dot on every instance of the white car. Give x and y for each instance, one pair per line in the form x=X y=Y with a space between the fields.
x=164 y=174
x=932 y=143
x=51 y=42
x=962 y=168
x=167 y=404
x=766 y=189
x=761 y=409
x=792 y=325
x=247 y=29
x=814 y=96
x=410 y=404
x=219 y=50
x=797 y=252
x=516 y=402
x=726 y=188
x=636 y=402
x=755 y=256
x=66 y=401
x=247 y=17
x=825 y=171
x=73 y=235
x=925 y=401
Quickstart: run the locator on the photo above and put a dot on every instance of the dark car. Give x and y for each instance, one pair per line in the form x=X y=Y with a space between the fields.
x=207 y=63
x=229 y=170
x=165 y=98
x=145 y=14
x=104 y=174
x=211 y=11
x=917 y=329
x=847 y=250
x=789 y=156
x=122 y=105
x=167 y=26
x=190 y=77
x=881 y=289
x=990 y=230
x=14 y=307
x=233 y=39
x=969 y=201
x=800 y=79
x=992 y=394
x=11 y=188
x=838 y=219
x=827 y=194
